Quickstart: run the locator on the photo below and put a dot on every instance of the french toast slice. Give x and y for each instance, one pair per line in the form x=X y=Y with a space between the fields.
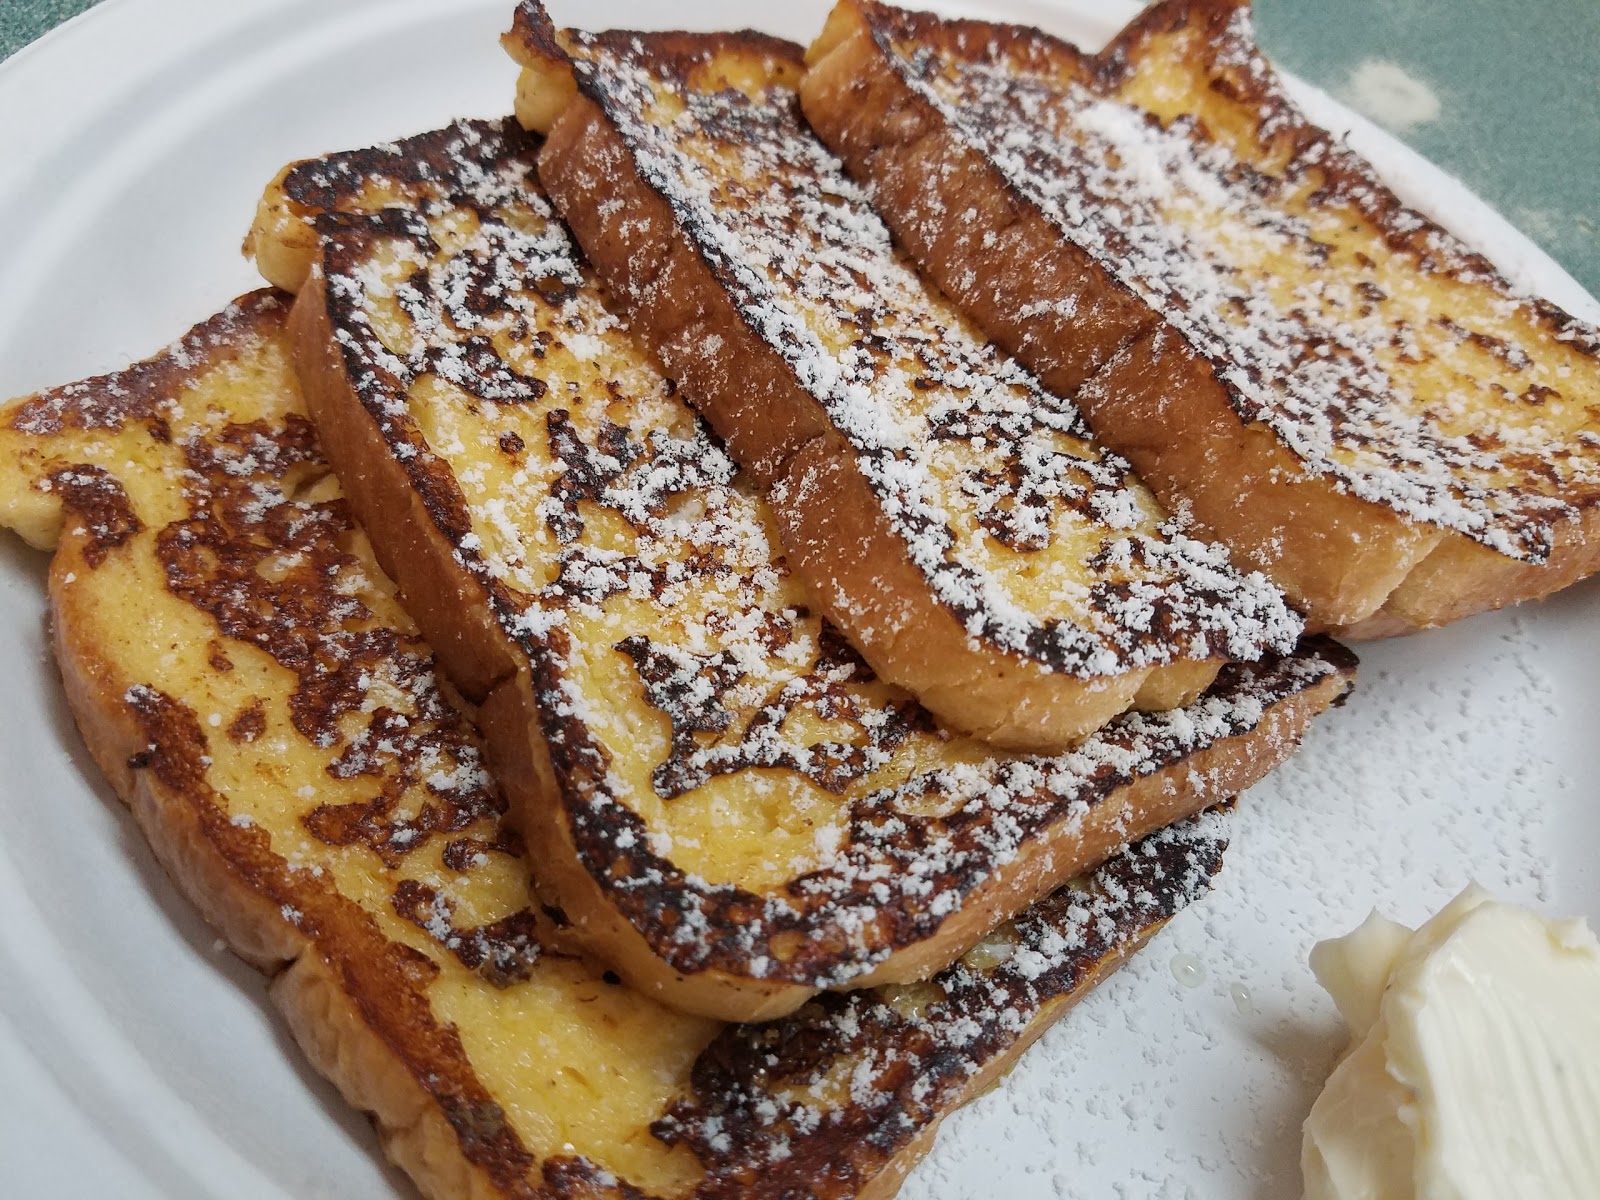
x=242 y=673
x=948 y=513
x=720 y=798
x=1332 y=384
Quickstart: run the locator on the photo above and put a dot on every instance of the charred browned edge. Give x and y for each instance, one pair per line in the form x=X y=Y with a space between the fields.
x=809 y=433
x=532 y=26
x=995 y=42
x=1349 y=179
x=387 y=980
x=1237 y=72
x=427 y=172
x=804 y=942
x=1130 y=315
x=1346 y=177
x=115 y=400
x=1120 y=316
x=682 y=49
x=742 y=1107
x=422 y=167
x=163 y=746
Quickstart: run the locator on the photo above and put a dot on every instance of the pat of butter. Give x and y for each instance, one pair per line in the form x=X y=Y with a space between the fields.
x=1474 y=1072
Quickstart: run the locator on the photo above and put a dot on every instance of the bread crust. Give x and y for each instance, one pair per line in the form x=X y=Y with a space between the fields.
x=837 y=537
x=180 y=832
x=1354 y=566
x=1336 y=558
x=360 y=1022
x=334 y=1034
x=449 y=605
x=457 y=616
x=1222 y=770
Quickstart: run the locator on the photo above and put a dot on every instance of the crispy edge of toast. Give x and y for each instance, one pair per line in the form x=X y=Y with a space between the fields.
x=347 y=998
x=839 y=540
x=412 y=536
x=1459 y=576
x=1355 y=567
x=580 y=855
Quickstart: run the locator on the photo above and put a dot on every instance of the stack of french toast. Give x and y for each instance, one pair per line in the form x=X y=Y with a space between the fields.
x=685 y=628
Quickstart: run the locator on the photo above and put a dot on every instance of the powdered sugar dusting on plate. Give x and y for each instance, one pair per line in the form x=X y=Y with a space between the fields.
x=1444 y=767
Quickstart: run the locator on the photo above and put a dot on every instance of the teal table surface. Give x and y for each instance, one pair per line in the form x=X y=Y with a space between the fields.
x=1503 y=94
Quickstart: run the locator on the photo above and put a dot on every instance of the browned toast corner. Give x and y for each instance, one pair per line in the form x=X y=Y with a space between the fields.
x=1336 y=387
x=720 y=797
x=238 y=665
x=950 y=515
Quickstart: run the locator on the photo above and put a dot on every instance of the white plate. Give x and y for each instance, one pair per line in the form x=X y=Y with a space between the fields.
x=138 y=1061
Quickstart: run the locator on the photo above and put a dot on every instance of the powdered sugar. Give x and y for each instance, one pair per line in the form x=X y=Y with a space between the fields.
x=1340 y=365
x=921 y=398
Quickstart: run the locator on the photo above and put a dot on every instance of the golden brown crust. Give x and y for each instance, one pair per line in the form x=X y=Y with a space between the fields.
x=331 y=1030
x=941 y=197
x=244 y=890
x=609 y=913
x=1149 y=393
x=1460 y=577
x=1153 y=802
x=854 y=565
x=223 y=886
x=1334 y=556
x=155 y=750
x=853 y=555
x=584 y=913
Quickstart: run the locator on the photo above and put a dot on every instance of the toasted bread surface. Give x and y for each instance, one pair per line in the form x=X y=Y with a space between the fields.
x=242 y=672
x=720 y=797
x=950 y=514
x=1336 y=387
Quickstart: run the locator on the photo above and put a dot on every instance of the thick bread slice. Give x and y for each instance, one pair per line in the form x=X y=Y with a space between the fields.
x=719 y=797
x=948 y=513
x=240 y=669
x=1333 y=385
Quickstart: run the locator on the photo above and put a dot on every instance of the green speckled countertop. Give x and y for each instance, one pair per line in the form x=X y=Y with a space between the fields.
x=1504 y=95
